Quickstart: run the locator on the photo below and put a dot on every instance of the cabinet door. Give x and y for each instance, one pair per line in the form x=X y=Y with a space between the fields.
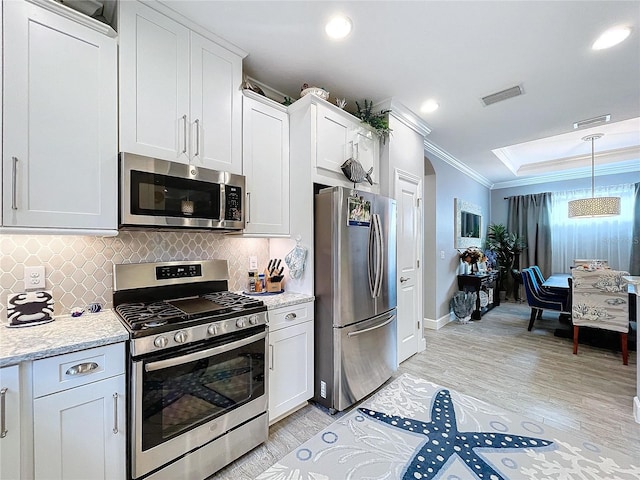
x=10 y=420
x=154 y=84
x=216 y=106
x=266 y=167
x=365 y=145
x=60 y=122
x=290 y=368
x=80 y=433
x=334 y=141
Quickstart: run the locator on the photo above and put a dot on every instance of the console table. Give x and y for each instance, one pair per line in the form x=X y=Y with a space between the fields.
x=487 y=283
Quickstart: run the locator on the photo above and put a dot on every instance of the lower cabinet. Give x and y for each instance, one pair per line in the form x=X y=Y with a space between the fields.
x=290 y=359
x=10 y=423
x=79 y=415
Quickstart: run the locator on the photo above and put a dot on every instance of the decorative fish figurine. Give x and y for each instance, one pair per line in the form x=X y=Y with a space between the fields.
x=354 y=171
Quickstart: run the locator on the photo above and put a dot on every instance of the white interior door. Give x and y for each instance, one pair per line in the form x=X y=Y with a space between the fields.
x=408 y=190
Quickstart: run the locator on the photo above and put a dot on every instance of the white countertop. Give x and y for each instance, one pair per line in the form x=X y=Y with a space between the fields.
x=284 y=299
x=65 y=334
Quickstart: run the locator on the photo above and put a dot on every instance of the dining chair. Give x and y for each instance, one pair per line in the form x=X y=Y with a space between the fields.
x=600 y=300
x=539 y=299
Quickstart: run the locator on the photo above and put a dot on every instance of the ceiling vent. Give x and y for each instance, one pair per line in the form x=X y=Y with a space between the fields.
x=590 y=122
x=502 y=95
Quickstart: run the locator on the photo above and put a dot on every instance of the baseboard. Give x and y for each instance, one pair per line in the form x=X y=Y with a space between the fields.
x=436 y=324
x=636 y=409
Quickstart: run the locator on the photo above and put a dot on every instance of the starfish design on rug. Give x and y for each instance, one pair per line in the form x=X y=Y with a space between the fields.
x=444 y=442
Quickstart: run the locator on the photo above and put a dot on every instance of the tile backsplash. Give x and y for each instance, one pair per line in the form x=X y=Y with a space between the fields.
x=79 y=269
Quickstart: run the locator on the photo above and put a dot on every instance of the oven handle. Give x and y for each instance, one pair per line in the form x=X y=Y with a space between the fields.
x=172 y=362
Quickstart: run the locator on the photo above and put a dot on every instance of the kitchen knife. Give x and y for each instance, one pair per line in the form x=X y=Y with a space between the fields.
x=271 y=262
x=280 y=271
x=277 y=265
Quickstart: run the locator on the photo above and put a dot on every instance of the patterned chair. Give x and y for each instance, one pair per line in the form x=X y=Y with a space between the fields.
x=539 y=299
x=600 y=300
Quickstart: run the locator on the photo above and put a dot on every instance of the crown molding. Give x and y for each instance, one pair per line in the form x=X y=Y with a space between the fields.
x=76 y=16
x=404 y=115
x=455 y=163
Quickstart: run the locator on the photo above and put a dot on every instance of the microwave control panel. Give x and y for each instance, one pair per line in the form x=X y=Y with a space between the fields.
x=233 y=203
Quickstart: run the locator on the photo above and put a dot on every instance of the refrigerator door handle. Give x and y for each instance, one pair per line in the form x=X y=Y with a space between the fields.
x=379 y=255
x=371 y=261
x=359 y=332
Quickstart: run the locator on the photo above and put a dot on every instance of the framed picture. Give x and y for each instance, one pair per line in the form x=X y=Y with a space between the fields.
x=359 y=212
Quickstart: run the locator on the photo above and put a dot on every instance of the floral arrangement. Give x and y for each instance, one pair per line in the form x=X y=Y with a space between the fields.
x=472 y=255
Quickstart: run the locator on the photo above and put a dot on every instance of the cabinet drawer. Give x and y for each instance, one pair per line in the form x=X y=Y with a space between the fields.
x=287 y=316
x=55 y=374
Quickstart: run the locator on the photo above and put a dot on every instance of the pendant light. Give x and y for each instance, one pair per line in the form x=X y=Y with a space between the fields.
x=594 y=206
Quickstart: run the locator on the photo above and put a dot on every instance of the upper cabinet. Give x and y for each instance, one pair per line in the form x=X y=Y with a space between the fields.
x=336 y=137
x=60 y=144
x=180 y=97
x=266 y=165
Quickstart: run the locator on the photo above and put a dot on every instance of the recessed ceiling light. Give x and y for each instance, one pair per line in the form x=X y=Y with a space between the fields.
x=611 y=37
x=429 y=106
x=338 y=27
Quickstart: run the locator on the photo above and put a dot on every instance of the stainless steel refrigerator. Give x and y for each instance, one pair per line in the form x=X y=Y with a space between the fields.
x=355 y=290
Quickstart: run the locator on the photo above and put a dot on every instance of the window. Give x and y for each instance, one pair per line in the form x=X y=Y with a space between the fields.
x=605 y=237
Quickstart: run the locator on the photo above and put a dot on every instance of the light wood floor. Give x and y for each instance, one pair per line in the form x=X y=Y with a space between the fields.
x=497 y=360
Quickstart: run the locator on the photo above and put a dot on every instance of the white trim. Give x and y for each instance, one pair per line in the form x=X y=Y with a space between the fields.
x=436 y=324
x=455 y=163
x=636 y=409
x=57 y=231
x=264 y=100
x=76 y=16
x=173 y=15
x=270 y=93
x=404 y=115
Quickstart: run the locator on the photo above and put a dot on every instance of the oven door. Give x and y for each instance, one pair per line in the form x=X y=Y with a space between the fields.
x=185 y=399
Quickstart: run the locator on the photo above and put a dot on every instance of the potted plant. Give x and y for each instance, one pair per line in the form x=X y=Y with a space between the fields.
x=506 y=247
x=378 y=121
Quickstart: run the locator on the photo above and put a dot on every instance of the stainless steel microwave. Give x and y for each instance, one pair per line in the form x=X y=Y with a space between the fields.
x=158 y=194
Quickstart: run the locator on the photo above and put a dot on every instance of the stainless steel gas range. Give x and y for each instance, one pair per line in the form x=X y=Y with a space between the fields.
x=197 y=374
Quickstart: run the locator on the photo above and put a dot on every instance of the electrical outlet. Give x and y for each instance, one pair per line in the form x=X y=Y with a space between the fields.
x=34 y=278
x=442 y=254
x=253 y=262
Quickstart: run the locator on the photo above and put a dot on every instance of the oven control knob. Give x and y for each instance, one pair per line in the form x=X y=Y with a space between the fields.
x=213 y=329
x=241 y=322
x=161 y=341
x=253 y=319
x=180 y=337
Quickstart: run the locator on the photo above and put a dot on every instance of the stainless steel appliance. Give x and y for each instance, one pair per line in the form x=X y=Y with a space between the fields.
x=355 y=290
x=197 y=374
x=166 y=195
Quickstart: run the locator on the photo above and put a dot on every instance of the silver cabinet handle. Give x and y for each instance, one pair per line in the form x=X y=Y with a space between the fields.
x=270 y=357
x=197 y=122
x=357 y=151
x=115 y=413
x=184 y=119
x=14 y=184
x=248 y=209
x=404 y=279
x=82 y=368
x=3 y=413
x=290 y=316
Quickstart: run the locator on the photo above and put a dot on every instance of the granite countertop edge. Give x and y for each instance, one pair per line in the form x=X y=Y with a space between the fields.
x=65 y=334
x=286 y=299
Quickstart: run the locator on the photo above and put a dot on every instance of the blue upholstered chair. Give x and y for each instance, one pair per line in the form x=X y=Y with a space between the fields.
x=538 y=273
x=540 y=300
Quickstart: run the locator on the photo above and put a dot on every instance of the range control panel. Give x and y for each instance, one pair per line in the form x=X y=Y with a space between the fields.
x=178 y=271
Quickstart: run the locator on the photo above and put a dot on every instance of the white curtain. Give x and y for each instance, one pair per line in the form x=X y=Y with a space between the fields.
x=607 y=238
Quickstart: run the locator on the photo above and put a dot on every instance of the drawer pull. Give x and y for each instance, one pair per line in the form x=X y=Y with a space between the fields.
x=3 y=424
x=290 y=316
x=82 y=368
x=115 y=413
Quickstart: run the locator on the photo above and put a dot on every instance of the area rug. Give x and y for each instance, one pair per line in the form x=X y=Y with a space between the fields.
x=414 y=429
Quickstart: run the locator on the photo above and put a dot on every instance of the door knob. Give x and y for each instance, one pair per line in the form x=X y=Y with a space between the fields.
x=404 y=279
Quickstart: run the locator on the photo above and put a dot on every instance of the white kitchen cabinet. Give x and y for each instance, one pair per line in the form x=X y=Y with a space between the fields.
x=79 y=415
x=10 y=423
x=290 y=359
x=338 y=137
x=180 y=97
x=266 y=165
x=60 y=144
